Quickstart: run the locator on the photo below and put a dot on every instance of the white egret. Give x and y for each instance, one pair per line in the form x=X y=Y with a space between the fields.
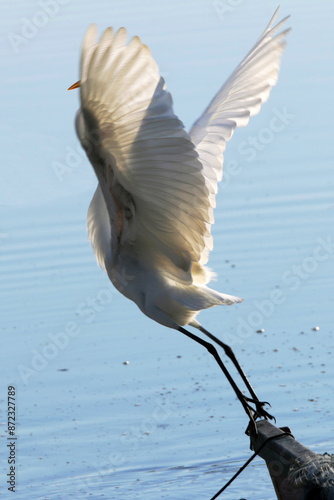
x=149 y=220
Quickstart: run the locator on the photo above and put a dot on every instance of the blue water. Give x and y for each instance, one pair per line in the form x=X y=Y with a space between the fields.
x=109 y=404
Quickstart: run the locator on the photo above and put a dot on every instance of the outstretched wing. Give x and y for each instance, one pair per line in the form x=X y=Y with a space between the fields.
x=239 y=98
x=127 y=119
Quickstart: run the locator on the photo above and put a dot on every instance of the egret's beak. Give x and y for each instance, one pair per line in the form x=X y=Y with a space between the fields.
x=75 y=85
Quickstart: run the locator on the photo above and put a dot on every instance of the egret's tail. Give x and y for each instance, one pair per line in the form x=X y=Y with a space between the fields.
x=197 y=298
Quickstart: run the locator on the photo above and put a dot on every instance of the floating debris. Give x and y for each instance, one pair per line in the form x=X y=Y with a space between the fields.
x=316 y=328
x=126 y=362
x=262 y=330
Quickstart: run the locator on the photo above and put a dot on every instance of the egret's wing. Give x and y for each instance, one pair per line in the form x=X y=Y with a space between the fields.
x=129 y=124
x=239 y=98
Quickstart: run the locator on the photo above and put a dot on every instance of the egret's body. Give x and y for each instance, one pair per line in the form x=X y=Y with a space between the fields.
x=150 y=218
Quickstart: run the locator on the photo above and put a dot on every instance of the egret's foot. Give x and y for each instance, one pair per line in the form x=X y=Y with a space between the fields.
x=260 y=411
x=254 y=413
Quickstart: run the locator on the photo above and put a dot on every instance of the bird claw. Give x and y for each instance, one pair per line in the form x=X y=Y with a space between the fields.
x=257 y=413
x=257 y=402
x=260 y=411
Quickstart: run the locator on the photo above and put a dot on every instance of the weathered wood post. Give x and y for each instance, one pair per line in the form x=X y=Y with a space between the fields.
x=296 y=472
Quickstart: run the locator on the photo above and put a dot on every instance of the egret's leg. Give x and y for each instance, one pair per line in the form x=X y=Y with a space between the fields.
x=212 y=350
x=229 y=352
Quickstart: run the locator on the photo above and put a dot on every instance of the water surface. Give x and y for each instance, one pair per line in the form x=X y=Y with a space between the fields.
x=166 y=424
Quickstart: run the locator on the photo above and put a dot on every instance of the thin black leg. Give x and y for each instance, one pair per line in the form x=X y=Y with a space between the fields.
x=229 y=352
x=213 y=351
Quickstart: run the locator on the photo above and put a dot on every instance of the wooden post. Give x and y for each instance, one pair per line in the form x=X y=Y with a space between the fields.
x=297 y=473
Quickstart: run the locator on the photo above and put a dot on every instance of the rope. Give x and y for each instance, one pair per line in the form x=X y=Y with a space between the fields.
x=248 y=462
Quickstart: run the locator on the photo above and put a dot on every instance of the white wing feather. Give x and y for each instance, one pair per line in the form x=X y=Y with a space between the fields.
x=125 y=100
x=171 y=176
x=239 y=98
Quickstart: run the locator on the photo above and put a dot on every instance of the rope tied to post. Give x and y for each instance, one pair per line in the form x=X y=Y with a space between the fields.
x=243 y=467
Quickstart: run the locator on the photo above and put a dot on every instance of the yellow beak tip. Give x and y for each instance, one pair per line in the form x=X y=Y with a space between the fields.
x=74 y=86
